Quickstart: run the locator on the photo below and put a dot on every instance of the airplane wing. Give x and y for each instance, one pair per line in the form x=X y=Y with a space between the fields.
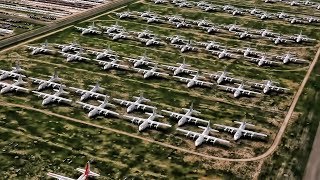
x=189 y=133
x=188 y=71
x=172 y=68
x=40 y=81
x=59 y=177
x=32 y=47
x=159 y=73
x=14 y=87
x=141 y=70
x=86 y=106
x=119 y=66
x=92 y=94
x=40 y=94
x=151 y=123
x=227 y=88
x=252 y=134
x=198 y=82
x=183 y=79
x=258 y=85
x=55 y=98
x=247 y=92
x=11 y=74
x=276 y=88
x=123 y=102
x=189 y=118
x=80 y=28
x=206 y=137
x=227 y=128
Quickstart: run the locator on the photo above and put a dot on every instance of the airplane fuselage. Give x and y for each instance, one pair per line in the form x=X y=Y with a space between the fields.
x=200 y=139
x=87 y=94
x=134 y=105
x=221 y=78
x=145 y=123
x=183 y=119
x=179 y=69
x=238 y=133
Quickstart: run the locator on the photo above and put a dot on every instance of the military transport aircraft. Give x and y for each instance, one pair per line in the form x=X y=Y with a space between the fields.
x=137 y=104
x=279 y=39
x=105 y=54
x=238 y=91
x=141 y=60
x=210 y=45
x=187 y=117
x=125 y=14
x=268 y=86
x=114 y=28
x=114 y=63
x=266 y=32
x=176 y=39
x=99 y=110
x=288 y=57
x=16 y=86
x=92 y=93
x=49 y=98
x=239 y=132
x=146 y=33
x=224 y=54
x=222 y=76
x=204 y=136
x=85 y=174
x=75 y=57
x=194 y=81
x=15 y=72
x=185 y=47
x=92 y=29
x=262 y=60
x=301 y=38
x=151 y=72
x=120 y=35
x=151 y=41
x=149 y=122
x=44 y=48
x=182 y=68
x=74 y=46
x=52 y=82
x=249 y=51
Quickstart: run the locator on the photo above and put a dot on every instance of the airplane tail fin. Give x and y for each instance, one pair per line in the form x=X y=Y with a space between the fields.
x=17 y=67
x=247 y=124
x=105 y=102
x=87 y=172
x=56 y=76
x=97 y=86
x=60 y=90
x=20 y=81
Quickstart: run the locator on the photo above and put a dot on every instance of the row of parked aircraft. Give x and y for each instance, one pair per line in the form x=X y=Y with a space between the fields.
x=95 y=93
x=209 y=27
x=305 y=3
x=235 y=11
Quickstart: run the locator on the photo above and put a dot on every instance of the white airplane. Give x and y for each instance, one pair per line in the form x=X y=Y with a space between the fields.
x=48 y=98
x=185 y=47
x=235 y=12
x=187 y=117
x=182 y=68
x=141 y=60
x=279 y=39
x=211 y=29
x=149 y=122
x=264 y=16
x=244 y=34
x=75 y=57
x=263 y=61
x=292 y=3
x=85 y=174
x=6 y=31
x=209 y=8
x=93 y=93
x=311 y=19
x=74 y=46
x=174 y=18
x=223 y=54
x=150 y=72
x=254 y=11
x=222 y=76
x=227 y=7
x=125 y=14
x=114 y=63
x=210 y=45
x=98 y=110
x=146 y=33
x=176 y=39
x=114 y=28
x=52 y=82
x=307 y=3
x=16 y=86
x=183 y=4
x=160 y=1
x=238 y=90
x=137 y=104
x=147 y=13
x=89 y=30
x=204 y=136
x=286 y=58
x=249 y=51
x=194 y=81
x=203 y=23
x=294 y=20
x=268 y=86
x=153 y=19
x=152 y=41
x=282 y=15
x=15 y=72
x=181 y=24
x=121 y=35
x=240 y=131
x=233 y=27
x=301 y=38
x=42 y=49
x=266 y=32
x=105 y=54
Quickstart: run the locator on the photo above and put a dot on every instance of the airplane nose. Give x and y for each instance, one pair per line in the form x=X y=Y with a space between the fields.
x=82 y=98
x=90 y=115
x=180 y=123
x=140 y=128
x=129 y=110
x=197 y=143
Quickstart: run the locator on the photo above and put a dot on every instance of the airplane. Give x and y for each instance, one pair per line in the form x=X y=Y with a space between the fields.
x=264 y=16
x=211 y=29
x=222 y=76
x=121 y=35
x=105 y=54
x=254 y=11
x=153 y=19
x=210 y=45
x=182 y=23
x=88 y=30
x=114 y=63
x=15 y=72
x=194 y=81
x=227 y=7
x=52 y=82
x=6 y=31
x=149 y=122
x=146 y=33
x=238 y=90
x=185 y=47
x=147 y=13
x=125 y=14
x=183 y=4
x=176 y=39
x=286 y=58
x=279 y=39
x=202 y=4
x=75 y=57
x=235 y=12
x=152 y=41
x=183 y=118
x=294 y=20
x=74 y=46
x=263 y=61
x=272 y=1
x=240 y=131
x=174 y=18
x=298 y=38
x=282 y=15
x=249 y=51
x=85 y=174
x=224 y=54
x=114 y=28
x=292 y=3
x=150 y=72
x=141 y=60
x=202 y=23
x=307 y=2
x=209 y=8
x=204 y=136
x=266 y=32
x=42 y=49
x=16 y=86
x=92 y=93
x=182 y=68
x=97 y=110
x=233 y=27
x=49 y=98
x=137 y=104
x=244 y=34
x=160 y=1
x=311 y=19
x=268 y=85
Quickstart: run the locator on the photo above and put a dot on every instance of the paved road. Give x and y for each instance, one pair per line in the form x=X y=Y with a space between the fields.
x=61 y=23
x=312 y=171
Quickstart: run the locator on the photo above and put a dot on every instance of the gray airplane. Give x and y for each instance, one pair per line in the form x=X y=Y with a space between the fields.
x=153 y=19
x=141 y=60
x=146 y=33
x=223 y=76
x=194 y=81
x=114 y=63
x=52 y=82
x=266 y=33
x=244 y=34
x=239 y=132
x=149 y=122
x=75 y=57
x=43 y=49
x=238 y=91
x=288 y=57
x=182 y=68
x=105 y=54
x=204 y=136
x=15 y=72
x=187 y=117
x=125 y=14
x=185 y=47
x=298 y=38
x=224 y=54
x=176 y=39
x=16 y=86
x=212 y=29
x=151 y=72
x=115 y=28
x=151 y=41
x=92 y=29
x=249 y=52
x=120 y=35
x=74 y=46
x=210 y=45
x=99 y=110
x=137 y=104
x=49 y=98
x=181 y=24
x=92 y=93
x=268 y=86
x=263 y=60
